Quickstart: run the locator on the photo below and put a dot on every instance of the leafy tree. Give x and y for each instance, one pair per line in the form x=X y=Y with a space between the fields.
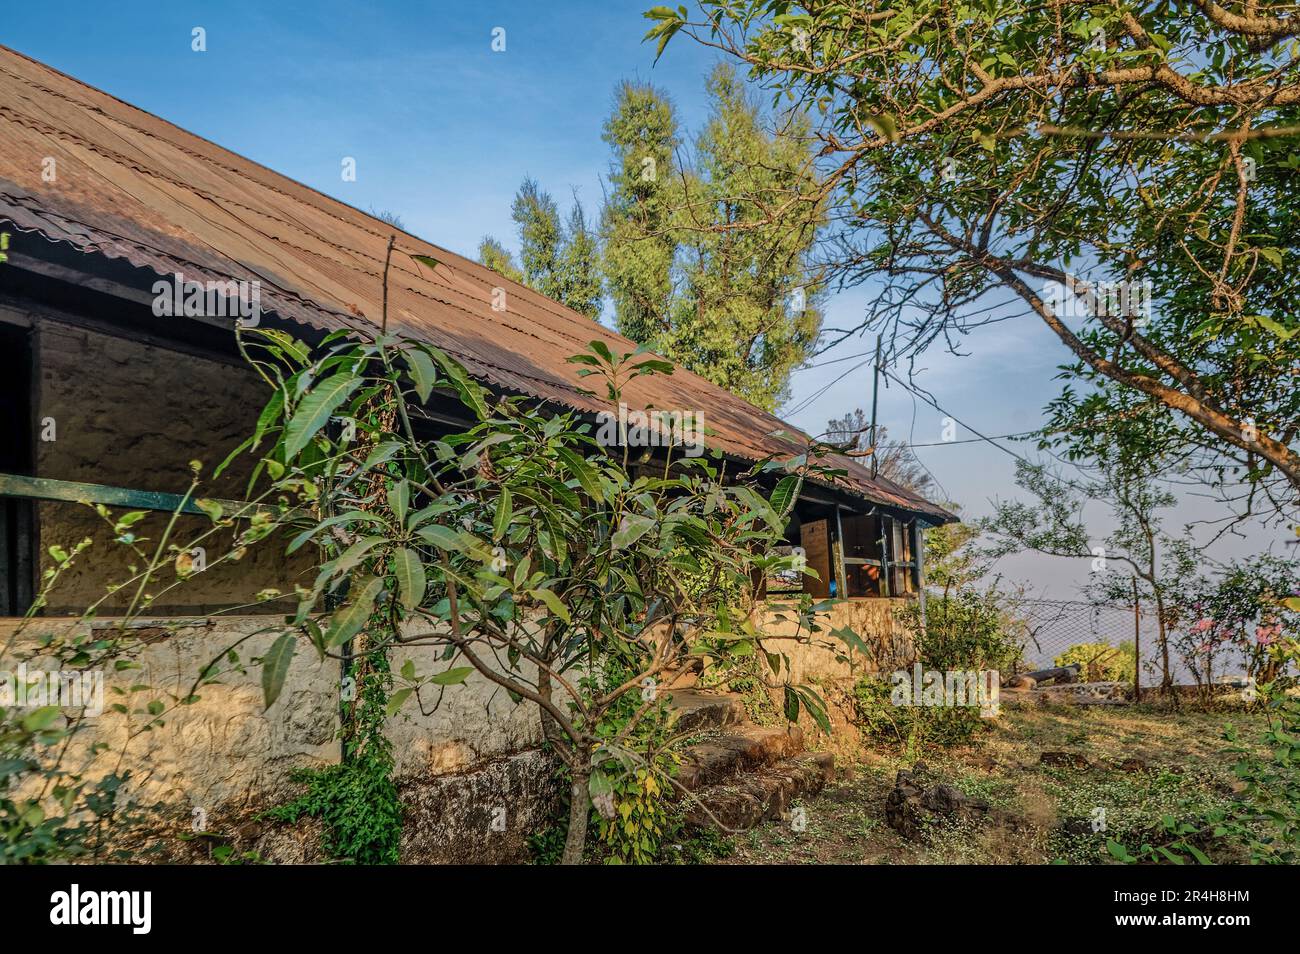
x=580 y=279
x=989 y=161
x=1247 y=607
x=518 y=549
x=541 y=238
x=639 y=247
x=561 y=262
x=498 y=258
x=691 y=278
x=1053 y=524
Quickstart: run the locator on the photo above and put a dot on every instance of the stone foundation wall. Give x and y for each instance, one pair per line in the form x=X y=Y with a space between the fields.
x=874 y=620
x=469 y=769
x=472 y=778
x=824 y=663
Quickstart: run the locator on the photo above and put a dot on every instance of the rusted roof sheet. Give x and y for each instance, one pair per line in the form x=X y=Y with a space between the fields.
x=130 y=185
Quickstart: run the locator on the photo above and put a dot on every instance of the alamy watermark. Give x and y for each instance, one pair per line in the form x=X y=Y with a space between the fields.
x=133 y=909
x=65 y=688
x=948 y=688
x=684 y=429
x=177 y=298
x=1081 y=299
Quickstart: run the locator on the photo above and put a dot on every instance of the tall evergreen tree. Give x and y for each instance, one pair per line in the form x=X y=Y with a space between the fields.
x=580 y=281
x=690 y=273
x=560 y=262
x=635 y=222
x=540 y=238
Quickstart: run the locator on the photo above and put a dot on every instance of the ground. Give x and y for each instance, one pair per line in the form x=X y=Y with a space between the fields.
x=1141 y=763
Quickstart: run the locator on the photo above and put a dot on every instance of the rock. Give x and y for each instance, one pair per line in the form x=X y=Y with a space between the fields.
x=1064 y=760
x=1078 y=827
x=911 y=807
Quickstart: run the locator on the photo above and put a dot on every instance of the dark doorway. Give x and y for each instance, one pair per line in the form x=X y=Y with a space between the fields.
x=17 y=518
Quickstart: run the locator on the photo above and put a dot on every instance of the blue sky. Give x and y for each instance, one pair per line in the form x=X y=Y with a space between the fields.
x=443 y=129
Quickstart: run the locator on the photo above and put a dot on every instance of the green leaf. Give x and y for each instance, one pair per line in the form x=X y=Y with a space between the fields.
x=791 y=704
x=1275 y=328
x=884 y=124
x=39 y=719
x=397 y=698
x=785 y=494
x=351 y=557
x=1174 y=858
x=814 y=706
x=212 y=508
x=1118 y=851
x=270 y=414
x=423 y=373
x=553 y=603
x=452 y=677
x=411 y=582
x=630 y=529
x=275 y=666
x=349 y=621
x=583 y=471
x=315 y=410
x=470 y=392
x=453 y=541
x=399 y=499
x=428 y=260
x=1199 y=855
x=501 y=520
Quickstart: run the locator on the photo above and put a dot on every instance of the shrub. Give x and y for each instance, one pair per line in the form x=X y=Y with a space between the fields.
x=912 y=726
x=1101 y=662
x=966 y=628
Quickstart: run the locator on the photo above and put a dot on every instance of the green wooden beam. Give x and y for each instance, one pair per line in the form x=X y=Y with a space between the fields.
x=45 y=488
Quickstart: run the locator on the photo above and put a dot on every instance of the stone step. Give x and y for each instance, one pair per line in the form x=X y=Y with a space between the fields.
x=752 y=798
x=686 y=677
x=698 y=710
x=741 y=748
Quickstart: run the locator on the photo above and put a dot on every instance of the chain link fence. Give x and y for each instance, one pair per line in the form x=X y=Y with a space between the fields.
x=1107 y=640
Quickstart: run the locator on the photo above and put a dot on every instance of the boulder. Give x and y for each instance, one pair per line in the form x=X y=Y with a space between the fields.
x=911 y=806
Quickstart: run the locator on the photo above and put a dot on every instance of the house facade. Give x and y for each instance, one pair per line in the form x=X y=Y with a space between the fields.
x=114 y=378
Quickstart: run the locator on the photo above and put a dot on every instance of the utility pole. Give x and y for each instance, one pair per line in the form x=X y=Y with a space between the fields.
x=875 y=395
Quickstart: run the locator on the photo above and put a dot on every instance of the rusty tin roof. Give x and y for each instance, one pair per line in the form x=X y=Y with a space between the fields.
x=132 y=186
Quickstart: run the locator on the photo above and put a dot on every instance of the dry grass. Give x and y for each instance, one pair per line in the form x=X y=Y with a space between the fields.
x=1143 y=763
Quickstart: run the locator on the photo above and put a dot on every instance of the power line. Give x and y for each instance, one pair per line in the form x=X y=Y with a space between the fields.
x=935 y=404
x=803 y=404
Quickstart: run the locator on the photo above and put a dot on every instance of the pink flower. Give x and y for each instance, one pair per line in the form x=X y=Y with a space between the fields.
x=1201 y=625
x=1268 y=634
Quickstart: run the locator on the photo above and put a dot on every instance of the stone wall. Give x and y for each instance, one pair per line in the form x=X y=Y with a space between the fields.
x=823 y=663
x=469 y=769
x=126 y=414
x=814 y=660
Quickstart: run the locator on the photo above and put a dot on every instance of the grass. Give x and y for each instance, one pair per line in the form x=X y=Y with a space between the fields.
x=1143 y=763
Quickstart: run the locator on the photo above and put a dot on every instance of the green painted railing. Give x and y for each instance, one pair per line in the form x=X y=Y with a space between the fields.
x=45 y=488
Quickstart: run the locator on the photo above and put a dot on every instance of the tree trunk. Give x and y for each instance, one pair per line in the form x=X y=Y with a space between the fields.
x=1167 y=680
x=579 y=811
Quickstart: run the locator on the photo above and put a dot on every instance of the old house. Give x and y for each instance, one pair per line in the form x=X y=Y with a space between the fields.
x=111 y=386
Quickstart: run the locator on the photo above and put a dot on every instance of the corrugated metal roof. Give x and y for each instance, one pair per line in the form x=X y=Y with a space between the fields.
x=130 y=185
